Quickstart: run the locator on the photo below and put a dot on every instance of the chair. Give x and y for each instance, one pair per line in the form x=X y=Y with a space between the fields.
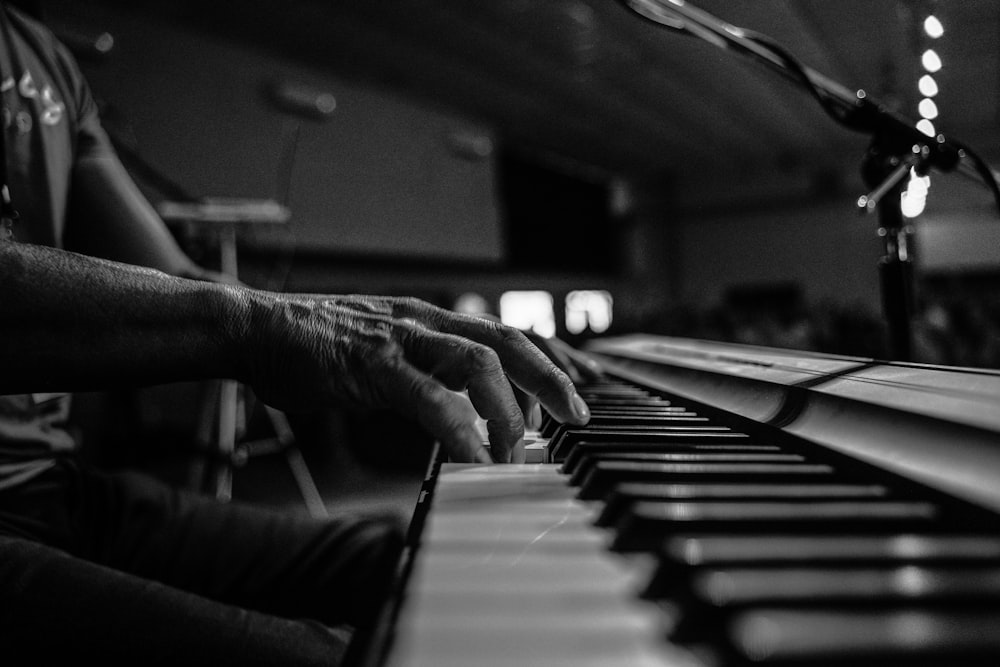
x=222 y=427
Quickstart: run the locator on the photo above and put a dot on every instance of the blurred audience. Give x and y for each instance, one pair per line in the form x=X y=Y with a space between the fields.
x=955 y=328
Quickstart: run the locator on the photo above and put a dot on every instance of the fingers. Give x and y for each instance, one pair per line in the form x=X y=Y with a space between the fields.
x=503 y=373
x=443 y=413
x=461 y=364
x=526 y=366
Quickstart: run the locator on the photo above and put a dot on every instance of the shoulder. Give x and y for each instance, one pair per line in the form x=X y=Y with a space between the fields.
x=41 y=40
x=55 y=59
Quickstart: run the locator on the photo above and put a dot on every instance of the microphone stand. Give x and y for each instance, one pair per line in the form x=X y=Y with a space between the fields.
x=896 y=147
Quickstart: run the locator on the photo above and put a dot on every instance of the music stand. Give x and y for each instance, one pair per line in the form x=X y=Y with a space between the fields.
x=222 y=426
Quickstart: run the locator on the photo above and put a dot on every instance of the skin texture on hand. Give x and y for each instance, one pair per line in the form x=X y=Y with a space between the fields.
x=76 y=323
x=409 y=356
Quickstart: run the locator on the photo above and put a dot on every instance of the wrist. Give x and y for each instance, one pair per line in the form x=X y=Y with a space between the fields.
x=237 y=308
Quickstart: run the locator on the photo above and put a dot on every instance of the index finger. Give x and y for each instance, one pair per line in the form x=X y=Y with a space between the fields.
x=463 y=364
x=526 y=366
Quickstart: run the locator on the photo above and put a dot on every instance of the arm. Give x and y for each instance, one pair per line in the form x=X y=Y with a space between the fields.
x=81 y=323
x=111 y=218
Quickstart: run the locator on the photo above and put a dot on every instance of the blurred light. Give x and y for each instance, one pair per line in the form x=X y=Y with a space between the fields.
x=588 y=309
x=472 y=303
x=933 y=27
x=911 y=581
x=914 y=199
x=529 y=310
x=926 y=127
x=931 y=61
x=928 y=109
x=928 y=86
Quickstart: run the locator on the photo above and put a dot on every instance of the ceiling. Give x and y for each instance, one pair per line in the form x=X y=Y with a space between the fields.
x=591 y=86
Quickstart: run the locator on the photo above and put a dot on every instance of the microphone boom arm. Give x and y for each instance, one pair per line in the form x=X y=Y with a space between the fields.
x=852 y=108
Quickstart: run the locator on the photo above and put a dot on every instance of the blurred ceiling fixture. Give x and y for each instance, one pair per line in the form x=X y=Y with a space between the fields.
x=470 y=144
x=301 y=99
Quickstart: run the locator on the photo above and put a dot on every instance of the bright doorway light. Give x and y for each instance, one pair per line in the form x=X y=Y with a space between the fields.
x=529 y=310
x=588 y=309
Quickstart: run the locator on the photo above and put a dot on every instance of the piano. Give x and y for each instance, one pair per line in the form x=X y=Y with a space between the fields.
x=727 y=505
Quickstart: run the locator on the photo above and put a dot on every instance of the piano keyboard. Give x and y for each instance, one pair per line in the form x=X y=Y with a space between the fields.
x=671 y=532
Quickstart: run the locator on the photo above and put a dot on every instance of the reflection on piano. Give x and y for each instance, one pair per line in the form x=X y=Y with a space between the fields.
x=726 y=505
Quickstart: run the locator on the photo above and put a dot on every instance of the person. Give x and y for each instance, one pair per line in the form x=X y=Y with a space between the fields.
x=95 y=293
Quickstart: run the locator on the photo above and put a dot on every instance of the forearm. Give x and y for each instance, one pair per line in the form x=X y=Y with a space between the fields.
x=72 y=322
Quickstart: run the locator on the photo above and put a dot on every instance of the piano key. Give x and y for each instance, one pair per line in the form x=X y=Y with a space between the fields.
x=584 y=449
x=563 y=442
x=624 y=495
x=822 y=585
x=616 y=392
x=850 y=637
x=628 y=402
x=511 y=572
x=628 y=422
x=711 y=597
x=632 y=420
x=715 y=550
x=584 y=464
x=605 y=475
x=683 y=556
x=647 y=524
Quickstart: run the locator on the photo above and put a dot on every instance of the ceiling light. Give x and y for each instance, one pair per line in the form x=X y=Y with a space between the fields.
x=931 y=61
x=933 y=27
x=926 y=127
x=928 y=109
x=928 y=86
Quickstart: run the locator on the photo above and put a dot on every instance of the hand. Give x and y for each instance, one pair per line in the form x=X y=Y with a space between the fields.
x=404 y=354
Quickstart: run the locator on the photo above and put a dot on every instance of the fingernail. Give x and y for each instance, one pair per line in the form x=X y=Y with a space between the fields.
x=580 y=407
x=535 y=419
x=517 y=455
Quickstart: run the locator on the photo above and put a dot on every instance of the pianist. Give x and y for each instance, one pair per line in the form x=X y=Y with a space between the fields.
x=125 y=570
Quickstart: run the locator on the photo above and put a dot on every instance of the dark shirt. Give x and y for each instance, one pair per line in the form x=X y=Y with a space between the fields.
x=49 y=120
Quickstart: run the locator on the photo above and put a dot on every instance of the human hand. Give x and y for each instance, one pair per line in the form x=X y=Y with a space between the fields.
x=308 y=351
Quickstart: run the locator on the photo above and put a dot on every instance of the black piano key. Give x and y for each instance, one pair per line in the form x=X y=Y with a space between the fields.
x=562 y=443
x=585 y=464
x=628 y=402
x=644 y=419
x=910 y=637
x=683 y=556
x=549 y=424
x=710 y=598
x=717 y=550
x=620 y=392
x=623 y=496
x=648 y=411
x=828 y=586
x=628 y=422
x=646 y=525
x=584 y=449
x=604 y=476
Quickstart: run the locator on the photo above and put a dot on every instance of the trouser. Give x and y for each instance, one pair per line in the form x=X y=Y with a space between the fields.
x=128 y=570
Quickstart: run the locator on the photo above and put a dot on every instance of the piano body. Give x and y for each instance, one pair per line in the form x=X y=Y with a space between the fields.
x=727 y=505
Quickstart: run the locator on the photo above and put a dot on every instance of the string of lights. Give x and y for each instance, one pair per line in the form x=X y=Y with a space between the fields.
x=914 y=198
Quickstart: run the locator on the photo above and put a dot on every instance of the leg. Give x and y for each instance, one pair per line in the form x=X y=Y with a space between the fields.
x=58 y=609
x=173 y=565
